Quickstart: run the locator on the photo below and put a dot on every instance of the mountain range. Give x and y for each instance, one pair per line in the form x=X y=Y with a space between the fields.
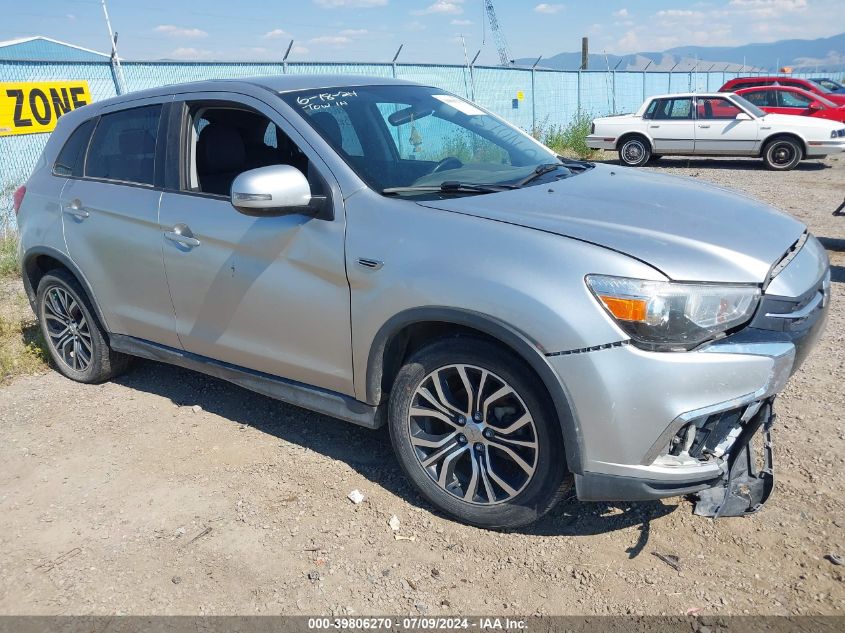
x=823 y=54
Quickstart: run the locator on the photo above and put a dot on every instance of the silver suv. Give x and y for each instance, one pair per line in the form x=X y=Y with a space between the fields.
x=386 y=252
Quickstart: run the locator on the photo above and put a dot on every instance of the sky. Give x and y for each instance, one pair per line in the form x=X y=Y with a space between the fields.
x=431 y=30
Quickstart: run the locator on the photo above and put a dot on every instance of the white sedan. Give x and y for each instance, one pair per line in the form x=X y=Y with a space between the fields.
x=717 y=124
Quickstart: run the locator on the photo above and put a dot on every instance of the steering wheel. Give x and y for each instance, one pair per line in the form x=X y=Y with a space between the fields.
x=450 y=162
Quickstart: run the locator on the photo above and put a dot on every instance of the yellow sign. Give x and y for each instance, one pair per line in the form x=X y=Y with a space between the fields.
x=34 y=107
x=520 y=96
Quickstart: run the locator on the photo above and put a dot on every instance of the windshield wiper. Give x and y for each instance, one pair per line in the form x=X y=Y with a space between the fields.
x=540 y=170
x=576 y=165
x=449 y=186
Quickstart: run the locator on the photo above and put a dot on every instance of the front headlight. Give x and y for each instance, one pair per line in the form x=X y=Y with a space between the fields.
x=667 y=316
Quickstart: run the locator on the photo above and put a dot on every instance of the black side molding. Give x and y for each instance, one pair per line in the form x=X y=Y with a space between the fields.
x=298 y=394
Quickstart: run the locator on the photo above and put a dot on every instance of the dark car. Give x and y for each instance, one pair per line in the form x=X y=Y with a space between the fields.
x=835 y=87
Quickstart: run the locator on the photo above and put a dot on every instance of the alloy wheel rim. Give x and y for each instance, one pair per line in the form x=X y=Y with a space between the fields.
x=633 y=151
x=67 y=329
x=782 y=154
x=473 y=435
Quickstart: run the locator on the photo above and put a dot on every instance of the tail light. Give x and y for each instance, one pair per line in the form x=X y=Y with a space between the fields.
x=18 y=199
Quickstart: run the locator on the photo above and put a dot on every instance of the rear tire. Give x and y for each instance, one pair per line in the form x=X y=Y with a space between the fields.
x=461 y=456
x=74 y=337
x=634 y=151
x=782 y=154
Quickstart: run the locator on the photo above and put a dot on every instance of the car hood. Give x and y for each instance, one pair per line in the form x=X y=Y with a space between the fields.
x=824 y=125
x=688 y=230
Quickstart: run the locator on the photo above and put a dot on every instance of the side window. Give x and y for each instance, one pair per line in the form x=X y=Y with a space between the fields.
x=123 y=147
x=671 y=109
x=793 y=99
x=716 y=108
x=652 y=108
x=762 y=98
x=71 y=159
x=226 y=141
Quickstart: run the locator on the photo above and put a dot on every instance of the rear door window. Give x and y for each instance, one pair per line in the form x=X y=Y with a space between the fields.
x=71 y=160
x=674 y=109
x=762 y=98
x=124 y=145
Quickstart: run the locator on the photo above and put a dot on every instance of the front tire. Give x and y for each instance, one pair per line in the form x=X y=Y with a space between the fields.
x=473 y=430
x=74 y=337
x=782 y=154
x=634 y=151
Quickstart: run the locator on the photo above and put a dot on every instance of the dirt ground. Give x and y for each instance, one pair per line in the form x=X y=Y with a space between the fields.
x=166 y=492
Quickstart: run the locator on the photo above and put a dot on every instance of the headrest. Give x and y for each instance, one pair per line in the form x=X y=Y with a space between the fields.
x=136 y=142
x=222 y=148
x=330 y=127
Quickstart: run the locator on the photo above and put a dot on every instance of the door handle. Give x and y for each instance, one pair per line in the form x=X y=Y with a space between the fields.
x=181 y=234
x=704 y=126
x=654 y=126
x=76 y=209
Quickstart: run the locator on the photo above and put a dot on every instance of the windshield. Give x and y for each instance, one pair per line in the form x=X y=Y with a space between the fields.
x=399 y=137
x=750 y=107
x=824 y=101
x=828 y=84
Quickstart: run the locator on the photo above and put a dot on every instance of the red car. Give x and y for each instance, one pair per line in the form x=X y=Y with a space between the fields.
x=792 y=82
x=785 y=100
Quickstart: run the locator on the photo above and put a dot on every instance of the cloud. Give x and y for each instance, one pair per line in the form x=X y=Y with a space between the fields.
x=768 y=8
x=679 y=13
x=452 y=7
x=71 y=17
x=548 y=8
x=416 y=25
x=275 y=33
x=350 y=4
x=622 y=13
x=190 y=53
x=354 y=32
x=179 y=31
x=330 y=40
x=460 y=22
x=299 y=50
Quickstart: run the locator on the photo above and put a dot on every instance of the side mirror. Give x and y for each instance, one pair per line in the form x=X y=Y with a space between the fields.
x=816 y=105
x=272 y=191
x=742 y=116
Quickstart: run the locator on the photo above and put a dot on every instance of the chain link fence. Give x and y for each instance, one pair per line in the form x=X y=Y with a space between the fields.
x=529 y=98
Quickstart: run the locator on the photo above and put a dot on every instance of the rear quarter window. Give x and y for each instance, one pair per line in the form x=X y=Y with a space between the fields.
x=71 y=159
x=123 y=147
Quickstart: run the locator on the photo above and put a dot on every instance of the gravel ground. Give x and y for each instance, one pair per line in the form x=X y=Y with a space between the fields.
x=167 y=492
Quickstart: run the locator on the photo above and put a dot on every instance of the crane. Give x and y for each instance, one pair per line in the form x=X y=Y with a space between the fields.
x=495 y=29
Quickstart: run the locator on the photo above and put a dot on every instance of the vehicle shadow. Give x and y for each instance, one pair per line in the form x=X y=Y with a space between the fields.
x=368 y=452
x=833 y=243
x=752 y=164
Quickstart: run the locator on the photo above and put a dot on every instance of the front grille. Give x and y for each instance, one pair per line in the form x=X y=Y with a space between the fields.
x=712 y=434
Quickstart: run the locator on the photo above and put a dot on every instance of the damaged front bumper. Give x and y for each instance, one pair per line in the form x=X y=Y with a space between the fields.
x=717 y=401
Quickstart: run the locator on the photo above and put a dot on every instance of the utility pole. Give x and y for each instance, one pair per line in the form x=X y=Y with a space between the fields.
x=585 y=53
